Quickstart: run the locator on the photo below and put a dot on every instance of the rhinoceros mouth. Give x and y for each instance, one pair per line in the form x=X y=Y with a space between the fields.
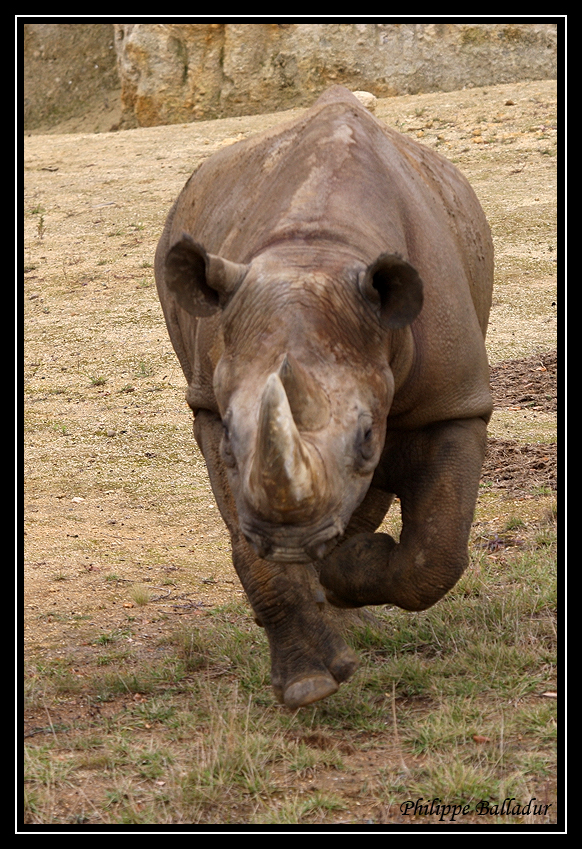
x=313 y=547
x=287 y=555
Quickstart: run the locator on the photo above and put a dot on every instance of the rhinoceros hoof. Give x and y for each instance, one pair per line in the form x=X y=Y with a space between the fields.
x=309 y=689
x=313 y=686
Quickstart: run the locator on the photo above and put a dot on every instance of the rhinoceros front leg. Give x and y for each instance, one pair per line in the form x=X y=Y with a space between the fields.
x=309 y=659
x=436 y=474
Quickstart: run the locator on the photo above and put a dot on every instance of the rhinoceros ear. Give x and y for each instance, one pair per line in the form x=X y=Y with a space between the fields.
x=394 y=288
x=201 y=283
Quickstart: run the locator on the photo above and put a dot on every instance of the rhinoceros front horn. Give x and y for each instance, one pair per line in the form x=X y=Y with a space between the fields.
x=282 y=477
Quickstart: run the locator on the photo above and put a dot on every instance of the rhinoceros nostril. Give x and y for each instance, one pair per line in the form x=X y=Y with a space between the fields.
x=322 y=549
x=262 y=548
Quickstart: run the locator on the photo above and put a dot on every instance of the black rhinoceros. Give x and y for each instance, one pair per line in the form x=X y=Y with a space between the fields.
x=326 y=286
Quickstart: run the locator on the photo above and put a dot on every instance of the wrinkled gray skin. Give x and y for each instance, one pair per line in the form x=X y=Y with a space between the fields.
x=326 y=286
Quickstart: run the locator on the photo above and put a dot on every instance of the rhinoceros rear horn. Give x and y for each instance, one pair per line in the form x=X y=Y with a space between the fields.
x=308 y=402
x=200 y=282
x=394 y=288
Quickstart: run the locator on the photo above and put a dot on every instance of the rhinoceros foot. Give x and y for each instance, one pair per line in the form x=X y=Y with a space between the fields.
x=318 y=678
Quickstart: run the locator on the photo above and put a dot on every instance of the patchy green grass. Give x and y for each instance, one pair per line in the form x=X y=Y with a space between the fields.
x=454 y=698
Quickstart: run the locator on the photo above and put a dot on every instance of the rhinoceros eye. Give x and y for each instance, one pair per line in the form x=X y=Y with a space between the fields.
x=226 y=447
x=365 y=445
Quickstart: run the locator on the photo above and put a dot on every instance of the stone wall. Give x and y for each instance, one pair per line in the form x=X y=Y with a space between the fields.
x=183 y=72
x=172 y=73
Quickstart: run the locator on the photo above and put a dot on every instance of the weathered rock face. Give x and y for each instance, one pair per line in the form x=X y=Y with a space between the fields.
x=172 y=73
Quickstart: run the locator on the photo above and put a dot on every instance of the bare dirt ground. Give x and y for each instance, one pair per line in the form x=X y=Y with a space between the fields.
x=528 y=384
x=116 y=495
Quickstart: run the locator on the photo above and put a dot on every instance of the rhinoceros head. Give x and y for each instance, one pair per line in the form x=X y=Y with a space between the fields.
x=304 y=384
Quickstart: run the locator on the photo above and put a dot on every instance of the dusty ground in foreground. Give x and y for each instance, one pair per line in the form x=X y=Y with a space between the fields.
x=116 y=497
